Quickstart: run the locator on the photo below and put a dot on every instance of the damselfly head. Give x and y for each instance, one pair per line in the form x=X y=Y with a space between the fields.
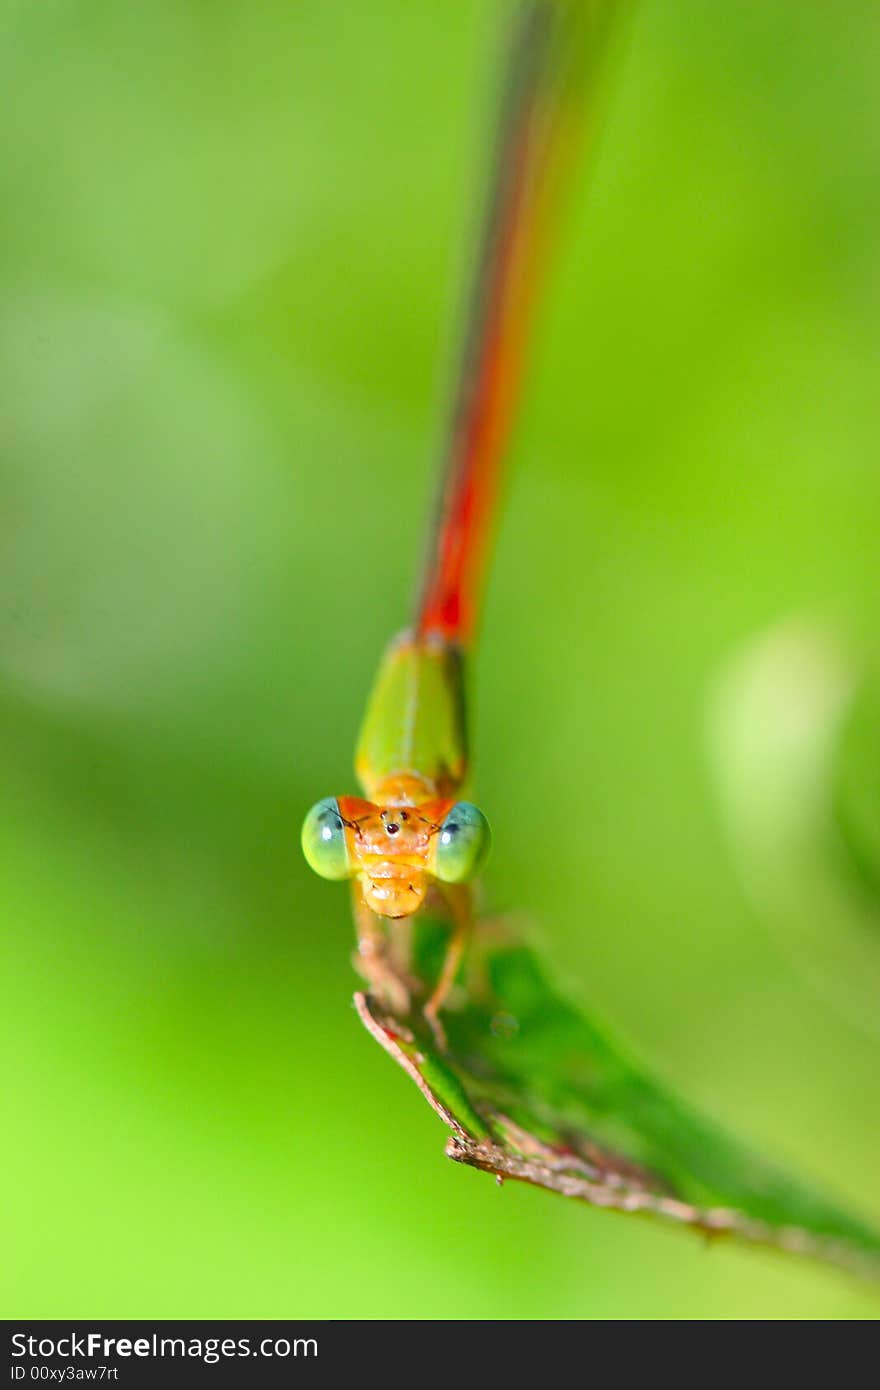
x=396 y=850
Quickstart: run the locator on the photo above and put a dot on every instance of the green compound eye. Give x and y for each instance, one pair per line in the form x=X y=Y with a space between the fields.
x=323 y=840
x=462 y=844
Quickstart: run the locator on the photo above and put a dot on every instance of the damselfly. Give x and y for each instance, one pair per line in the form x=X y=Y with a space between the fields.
x=413 y=836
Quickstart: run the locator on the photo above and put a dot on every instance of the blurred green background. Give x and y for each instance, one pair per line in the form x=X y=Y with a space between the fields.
x=230 y=240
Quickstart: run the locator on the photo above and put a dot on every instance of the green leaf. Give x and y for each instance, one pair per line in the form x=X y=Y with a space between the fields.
x=533 y=1090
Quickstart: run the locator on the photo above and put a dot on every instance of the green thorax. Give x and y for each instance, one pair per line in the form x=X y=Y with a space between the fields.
x=414 y=726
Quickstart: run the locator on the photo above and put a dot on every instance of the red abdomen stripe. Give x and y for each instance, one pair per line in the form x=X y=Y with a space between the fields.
x=554 y=51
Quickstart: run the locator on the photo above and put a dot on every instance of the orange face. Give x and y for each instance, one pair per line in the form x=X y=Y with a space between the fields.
x=392 y=848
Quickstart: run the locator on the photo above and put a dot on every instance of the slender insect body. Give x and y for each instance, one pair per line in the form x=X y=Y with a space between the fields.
x=412 y=830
